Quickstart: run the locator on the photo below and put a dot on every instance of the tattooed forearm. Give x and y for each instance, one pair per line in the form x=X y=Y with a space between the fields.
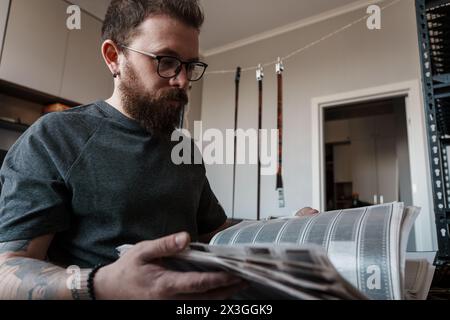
x=30 y=279
x=14 y=246
x=25 y=275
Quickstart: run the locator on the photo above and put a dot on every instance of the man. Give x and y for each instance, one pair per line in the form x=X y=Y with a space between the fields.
x=80 y=183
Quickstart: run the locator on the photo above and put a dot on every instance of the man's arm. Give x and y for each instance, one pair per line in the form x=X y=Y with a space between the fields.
x=24 y=275
x=139 y=274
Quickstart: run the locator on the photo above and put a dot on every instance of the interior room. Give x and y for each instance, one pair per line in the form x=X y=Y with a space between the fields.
x=342 y=105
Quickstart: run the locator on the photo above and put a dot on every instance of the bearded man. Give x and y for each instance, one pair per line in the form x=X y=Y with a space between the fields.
x=80 y=183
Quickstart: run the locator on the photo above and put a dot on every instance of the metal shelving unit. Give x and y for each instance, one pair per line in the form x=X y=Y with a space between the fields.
x=433 y=20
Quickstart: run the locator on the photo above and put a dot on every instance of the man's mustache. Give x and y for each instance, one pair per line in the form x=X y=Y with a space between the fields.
x=178 y=95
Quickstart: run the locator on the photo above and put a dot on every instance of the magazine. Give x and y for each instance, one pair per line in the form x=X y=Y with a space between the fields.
x=347 y=254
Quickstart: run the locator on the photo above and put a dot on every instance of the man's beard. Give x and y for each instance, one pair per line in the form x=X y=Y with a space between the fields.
x=156 y=112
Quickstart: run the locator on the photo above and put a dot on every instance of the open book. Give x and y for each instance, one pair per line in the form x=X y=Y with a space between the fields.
x=347 y=254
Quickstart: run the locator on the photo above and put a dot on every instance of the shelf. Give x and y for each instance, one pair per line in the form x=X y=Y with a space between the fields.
x=432 y=22
x=24 y=93
x=13 y=126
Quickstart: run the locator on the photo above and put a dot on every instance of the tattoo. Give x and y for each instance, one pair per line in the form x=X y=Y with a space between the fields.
x=23 y=278
x=14 y=246
x=31 y=279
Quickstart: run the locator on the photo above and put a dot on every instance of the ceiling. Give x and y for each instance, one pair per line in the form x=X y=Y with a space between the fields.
x=230 y=22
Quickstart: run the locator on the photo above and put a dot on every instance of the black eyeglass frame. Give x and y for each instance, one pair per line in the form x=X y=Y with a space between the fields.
x=178 y=70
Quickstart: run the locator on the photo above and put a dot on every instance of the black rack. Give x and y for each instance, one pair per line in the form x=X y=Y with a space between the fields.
x=433 y=20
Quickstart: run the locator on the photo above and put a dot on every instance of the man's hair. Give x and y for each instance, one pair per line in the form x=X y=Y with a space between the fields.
x=125 y=16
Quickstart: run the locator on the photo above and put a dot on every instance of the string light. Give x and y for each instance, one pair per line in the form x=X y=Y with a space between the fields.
x=272 y=63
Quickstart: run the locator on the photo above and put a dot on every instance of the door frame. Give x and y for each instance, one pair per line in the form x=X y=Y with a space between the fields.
x=425 y=227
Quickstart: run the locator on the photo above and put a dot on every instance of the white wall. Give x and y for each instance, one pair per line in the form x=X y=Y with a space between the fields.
x=194 y=110
x=354 y=59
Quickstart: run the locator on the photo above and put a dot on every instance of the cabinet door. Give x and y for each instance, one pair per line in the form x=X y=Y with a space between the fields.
x=364 y=169
x=342 y=162
x=362 y=128
x=4 y=8
x=86 y=76
x=388 y=184
x=35 y=43
x=386 y=126
x=337 y=131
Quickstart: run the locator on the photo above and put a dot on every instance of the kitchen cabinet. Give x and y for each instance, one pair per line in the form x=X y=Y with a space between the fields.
x=374 y=159
x=42 y=54
x=387 y=169
x=362 y=128
x=364 y=172
x=35 y=45
x=4 y=8
x=337 y=131
x=86 y=76
x=342 y=162
x=9 y=137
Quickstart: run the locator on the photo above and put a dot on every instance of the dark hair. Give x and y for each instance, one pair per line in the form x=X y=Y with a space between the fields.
x=125 y=16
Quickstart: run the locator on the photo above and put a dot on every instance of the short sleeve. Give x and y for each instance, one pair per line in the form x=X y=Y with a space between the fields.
x=211 y=215
x=33 y=195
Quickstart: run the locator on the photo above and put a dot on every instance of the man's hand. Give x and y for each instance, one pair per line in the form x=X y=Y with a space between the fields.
x=306 y=212
x=139 y=274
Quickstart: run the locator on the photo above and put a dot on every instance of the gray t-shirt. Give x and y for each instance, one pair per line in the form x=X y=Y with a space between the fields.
x=97 y=180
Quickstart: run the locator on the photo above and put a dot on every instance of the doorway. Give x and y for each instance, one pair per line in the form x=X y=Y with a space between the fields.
x=366 y=154
x=424 y=232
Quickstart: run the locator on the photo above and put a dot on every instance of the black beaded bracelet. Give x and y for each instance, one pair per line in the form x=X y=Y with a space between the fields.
x=90 y=281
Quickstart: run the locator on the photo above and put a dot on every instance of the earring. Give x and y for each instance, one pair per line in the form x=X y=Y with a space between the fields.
x=116 y=74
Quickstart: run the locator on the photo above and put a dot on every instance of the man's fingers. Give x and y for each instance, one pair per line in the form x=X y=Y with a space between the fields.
x=306 y=212
x=176 y=283
x=163 y=247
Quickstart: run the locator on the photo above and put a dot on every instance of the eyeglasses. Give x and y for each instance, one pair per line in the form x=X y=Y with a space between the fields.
x=169 y=67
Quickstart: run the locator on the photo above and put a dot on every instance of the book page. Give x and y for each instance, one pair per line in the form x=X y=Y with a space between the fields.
x=299 y=272
x=363 y=244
